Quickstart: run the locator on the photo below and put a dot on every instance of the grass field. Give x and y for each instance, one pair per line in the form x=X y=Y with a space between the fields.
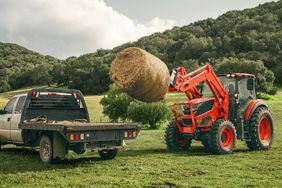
x=147 y=163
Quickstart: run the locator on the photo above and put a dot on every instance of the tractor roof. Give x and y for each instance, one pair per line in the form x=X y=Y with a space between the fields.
x=238 y=75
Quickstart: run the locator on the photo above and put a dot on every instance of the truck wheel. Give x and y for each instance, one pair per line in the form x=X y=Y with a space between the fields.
x=173 y=139
x=79 y=149
x=46 y=149
x=222 y=137
x=261 y=130
x=108 y=154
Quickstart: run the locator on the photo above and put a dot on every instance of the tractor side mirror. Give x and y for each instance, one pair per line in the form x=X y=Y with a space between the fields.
x=250 y=84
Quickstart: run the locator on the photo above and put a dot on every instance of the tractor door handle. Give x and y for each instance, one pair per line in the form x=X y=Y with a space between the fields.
x=9 y=119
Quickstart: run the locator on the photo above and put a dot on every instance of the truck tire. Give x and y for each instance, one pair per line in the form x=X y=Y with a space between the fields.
x=173 y=140
x=79 y=149
x=46 y=149
x=261 y=130
x=222 y=137
x=108 y=154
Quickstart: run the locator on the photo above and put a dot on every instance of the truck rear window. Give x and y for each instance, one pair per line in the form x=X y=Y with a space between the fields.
x=54 y=100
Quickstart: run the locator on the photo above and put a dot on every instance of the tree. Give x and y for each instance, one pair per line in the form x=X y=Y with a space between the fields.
x=149 y=113
x=264 y=76
x=115 y=104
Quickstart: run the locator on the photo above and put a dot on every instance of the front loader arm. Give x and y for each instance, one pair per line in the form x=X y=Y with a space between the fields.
x=188 y=82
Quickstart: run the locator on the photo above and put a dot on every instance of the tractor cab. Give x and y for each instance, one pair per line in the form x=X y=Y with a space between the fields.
x=218 y=110
x=241 y=90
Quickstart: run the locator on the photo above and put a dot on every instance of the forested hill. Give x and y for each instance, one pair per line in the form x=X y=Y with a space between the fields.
x=241 y=41
x=21 y=67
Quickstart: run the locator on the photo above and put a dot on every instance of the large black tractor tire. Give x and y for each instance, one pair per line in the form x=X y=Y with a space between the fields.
x=108 y=154
x=174 y=141
x=46 y=149
x=222 y=137
x=261 y=130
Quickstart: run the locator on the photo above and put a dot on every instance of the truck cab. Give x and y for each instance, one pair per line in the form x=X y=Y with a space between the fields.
x=10 y=118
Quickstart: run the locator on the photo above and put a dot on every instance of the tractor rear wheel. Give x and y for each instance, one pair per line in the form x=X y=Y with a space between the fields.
x=261 y=130
x=174 y=141
x=222 y=137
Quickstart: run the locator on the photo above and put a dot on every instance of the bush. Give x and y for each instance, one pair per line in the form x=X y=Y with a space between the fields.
x=148 y=113
x=115 y=104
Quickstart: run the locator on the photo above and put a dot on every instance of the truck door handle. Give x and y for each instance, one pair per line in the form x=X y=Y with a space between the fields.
x=9 y=119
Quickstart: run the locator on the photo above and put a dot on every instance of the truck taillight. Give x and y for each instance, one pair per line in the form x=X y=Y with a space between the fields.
x=81 y=136
x=77 y=95
x=77 y=136
x=33 y=94
x=130 y=134
x=71 y=136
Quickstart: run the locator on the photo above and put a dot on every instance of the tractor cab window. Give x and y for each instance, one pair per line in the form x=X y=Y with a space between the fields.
x=246 y=88
x=229 y=84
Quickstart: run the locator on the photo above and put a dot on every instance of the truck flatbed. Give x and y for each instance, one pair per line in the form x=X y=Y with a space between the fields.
x=57 y=120
x=63 y=126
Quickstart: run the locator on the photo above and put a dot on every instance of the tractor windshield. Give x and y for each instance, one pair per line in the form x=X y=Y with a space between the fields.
x=229 y=84
x=205 y=90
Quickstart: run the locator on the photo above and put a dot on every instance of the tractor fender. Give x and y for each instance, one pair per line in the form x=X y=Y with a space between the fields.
x=253 y=105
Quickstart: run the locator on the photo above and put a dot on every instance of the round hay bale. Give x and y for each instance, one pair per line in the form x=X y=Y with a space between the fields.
x=140 y=74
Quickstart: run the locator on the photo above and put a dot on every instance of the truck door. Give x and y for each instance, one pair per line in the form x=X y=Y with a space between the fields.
x=16 y=133
x=5 y=120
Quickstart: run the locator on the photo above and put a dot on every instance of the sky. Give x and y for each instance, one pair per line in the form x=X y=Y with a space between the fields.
x=64 y=28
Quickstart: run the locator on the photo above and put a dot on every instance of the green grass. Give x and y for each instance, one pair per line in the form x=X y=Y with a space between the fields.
x=146 y=162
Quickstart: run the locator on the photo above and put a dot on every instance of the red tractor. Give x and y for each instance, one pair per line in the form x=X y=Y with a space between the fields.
x=219 y=111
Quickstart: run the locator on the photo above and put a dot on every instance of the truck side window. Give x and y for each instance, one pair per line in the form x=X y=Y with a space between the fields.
x=20 y=104
x=10 y=105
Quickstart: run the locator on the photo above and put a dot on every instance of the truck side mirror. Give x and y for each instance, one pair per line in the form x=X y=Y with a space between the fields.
x=250 y=84
x=2 y=111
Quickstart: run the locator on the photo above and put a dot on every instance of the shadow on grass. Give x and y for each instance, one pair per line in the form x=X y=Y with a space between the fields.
x=21 y=160
x=194 y=151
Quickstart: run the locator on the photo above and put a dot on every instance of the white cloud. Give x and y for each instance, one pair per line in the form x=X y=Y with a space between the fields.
x=70 y=27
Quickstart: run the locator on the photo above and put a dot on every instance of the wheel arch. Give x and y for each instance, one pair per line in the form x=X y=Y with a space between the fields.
x=32 y=137
x=252 y=106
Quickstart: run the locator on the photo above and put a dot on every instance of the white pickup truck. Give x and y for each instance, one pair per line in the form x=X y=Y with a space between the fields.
x=57 y=120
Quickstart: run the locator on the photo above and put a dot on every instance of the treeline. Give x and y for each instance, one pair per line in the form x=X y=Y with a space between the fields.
x=242 y=39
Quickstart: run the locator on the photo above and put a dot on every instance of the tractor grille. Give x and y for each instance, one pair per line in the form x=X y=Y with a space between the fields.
x=187 y=121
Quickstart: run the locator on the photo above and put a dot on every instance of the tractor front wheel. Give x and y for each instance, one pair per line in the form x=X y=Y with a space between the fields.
x=174 y=140
x=261 y=130
x=222 y=137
